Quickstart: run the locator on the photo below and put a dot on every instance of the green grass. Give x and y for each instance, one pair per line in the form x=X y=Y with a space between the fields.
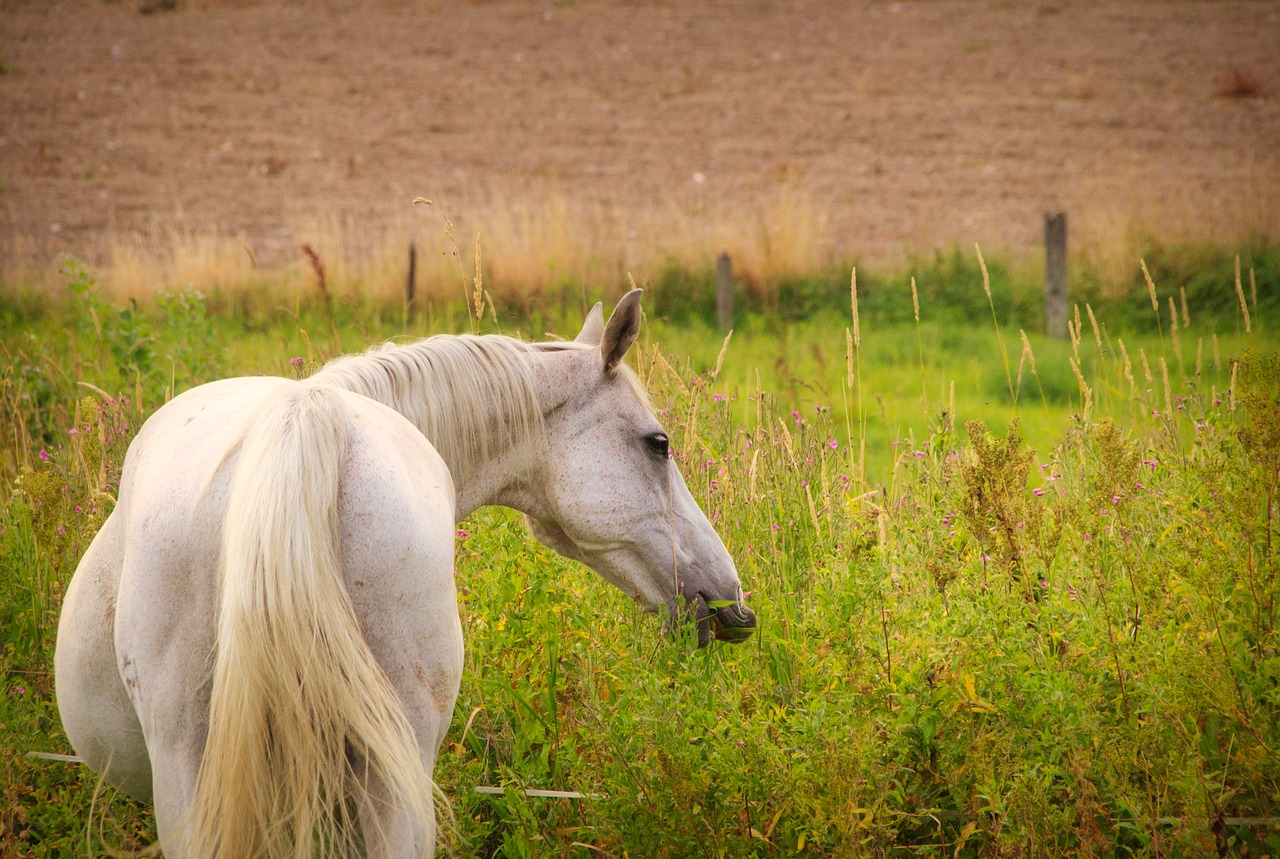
x=1048 y=638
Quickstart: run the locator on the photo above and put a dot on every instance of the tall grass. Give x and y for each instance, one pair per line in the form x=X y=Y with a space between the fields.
x=1044 y=622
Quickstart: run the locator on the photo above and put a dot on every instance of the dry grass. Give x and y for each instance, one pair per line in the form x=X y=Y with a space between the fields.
x=140 y=262
x=1123 y=217
x=543 y=238
x=532 y=244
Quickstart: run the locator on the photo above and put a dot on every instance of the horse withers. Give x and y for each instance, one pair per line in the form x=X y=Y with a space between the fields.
x=263 y=639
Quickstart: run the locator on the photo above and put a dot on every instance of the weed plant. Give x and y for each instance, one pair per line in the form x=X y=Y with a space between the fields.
x=1008 y=607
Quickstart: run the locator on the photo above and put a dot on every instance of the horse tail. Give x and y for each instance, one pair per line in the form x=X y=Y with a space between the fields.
x=305 y=729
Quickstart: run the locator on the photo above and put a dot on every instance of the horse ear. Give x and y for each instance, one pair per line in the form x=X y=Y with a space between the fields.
x=593 y=327
x=622 y=329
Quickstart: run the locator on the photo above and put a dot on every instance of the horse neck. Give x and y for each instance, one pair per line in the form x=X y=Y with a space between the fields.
x=505 y=478
x=476 y=399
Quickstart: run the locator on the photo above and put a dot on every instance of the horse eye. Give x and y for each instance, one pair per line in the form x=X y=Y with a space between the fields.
x=658 y=444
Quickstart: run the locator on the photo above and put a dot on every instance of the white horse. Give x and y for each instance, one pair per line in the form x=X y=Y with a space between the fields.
x=263 y=639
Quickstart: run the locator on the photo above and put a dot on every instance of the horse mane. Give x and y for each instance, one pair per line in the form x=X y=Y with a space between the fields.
x=468 y=394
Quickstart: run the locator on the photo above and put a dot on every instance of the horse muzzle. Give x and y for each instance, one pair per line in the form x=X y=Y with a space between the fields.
x=725 y=620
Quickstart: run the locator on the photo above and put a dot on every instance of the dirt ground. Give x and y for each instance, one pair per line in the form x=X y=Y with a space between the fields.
x=905 y=125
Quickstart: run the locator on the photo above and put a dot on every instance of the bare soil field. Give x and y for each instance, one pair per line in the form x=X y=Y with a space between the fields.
x=868 y=130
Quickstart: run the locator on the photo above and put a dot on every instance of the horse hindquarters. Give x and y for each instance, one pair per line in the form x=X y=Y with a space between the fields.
x=302 y=718
x=93 y=703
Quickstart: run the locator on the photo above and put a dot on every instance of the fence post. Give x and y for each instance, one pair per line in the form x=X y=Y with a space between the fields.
x=411 y=282
x=724 y=292
x=1055 y=273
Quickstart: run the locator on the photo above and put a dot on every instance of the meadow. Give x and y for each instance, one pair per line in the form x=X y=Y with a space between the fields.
x=1016 y=594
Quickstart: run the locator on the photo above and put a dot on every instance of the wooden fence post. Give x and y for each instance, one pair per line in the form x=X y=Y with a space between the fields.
x=724 y=292
x=411 y=282
x=1055 y=273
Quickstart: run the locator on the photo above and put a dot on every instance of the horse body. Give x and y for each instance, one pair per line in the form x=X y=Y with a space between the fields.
x=263 y=639
x=142 y=719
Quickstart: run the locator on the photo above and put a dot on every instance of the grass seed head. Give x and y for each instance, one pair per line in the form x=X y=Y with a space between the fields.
x=478 y=296
x=1093 y=321
x=853 y=298
x=1151 y=288
x=1026 y=348
x=1244 y=306
x=1128 y=365
x=986 y=277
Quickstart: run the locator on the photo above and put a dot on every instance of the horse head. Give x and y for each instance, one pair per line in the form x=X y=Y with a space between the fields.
x=613 y=496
